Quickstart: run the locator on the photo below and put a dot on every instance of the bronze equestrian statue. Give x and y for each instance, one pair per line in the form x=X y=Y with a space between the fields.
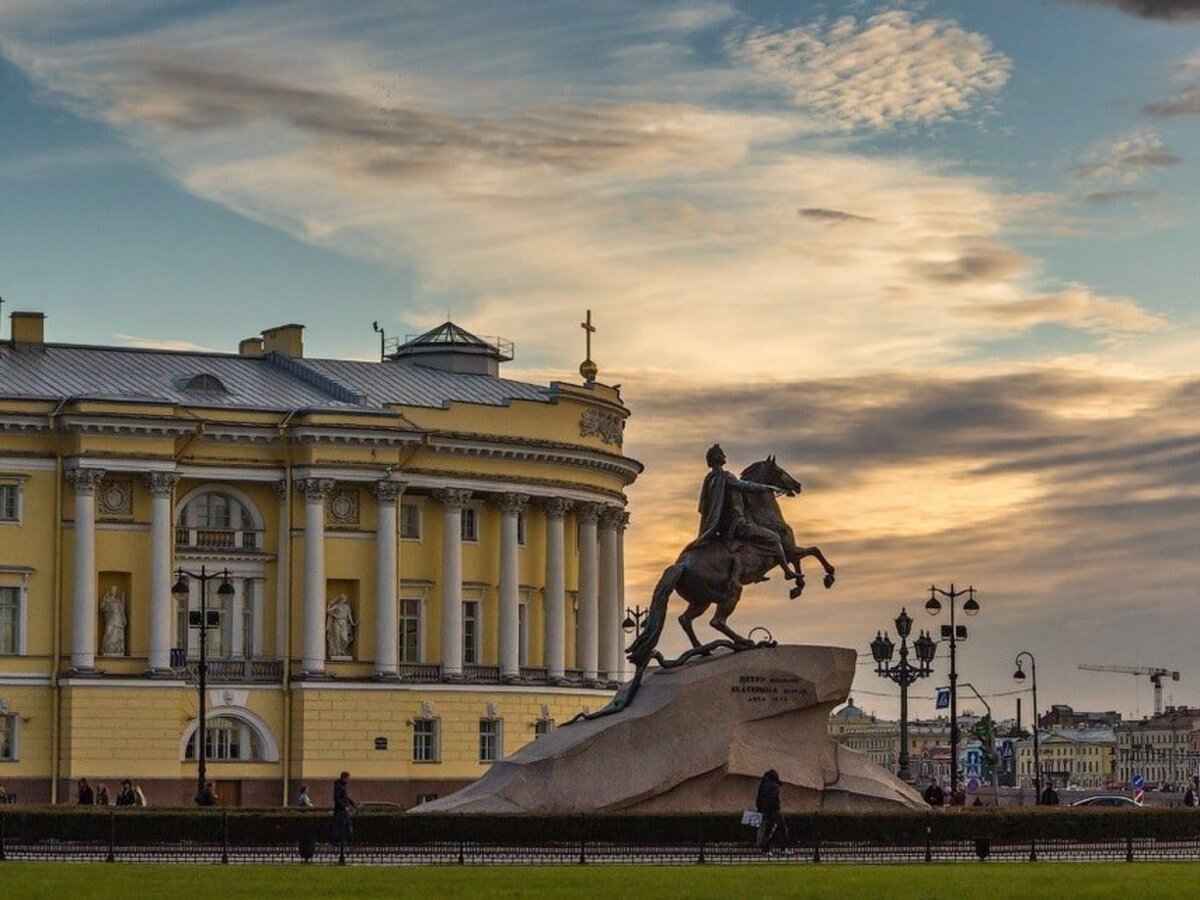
x=743 y=536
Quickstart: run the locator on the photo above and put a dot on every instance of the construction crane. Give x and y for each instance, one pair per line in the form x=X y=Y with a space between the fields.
x=1156 y=678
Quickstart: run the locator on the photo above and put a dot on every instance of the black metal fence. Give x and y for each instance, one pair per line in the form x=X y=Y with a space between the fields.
x=398 y=839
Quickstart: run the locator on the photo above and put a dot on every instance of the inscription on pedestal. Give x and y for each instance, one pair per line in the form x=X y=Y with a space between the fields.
x=769 y=689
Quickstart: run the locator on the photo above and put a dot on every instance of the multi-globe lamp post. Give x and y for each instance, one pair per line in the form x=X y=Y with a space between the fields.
x=903 y=673
x=202 y=619
x=953 y=633
x=1019 y=675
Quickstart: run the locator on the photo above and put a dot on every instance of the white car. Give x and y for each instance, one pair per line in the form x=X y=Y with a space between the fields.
x=1106 y=800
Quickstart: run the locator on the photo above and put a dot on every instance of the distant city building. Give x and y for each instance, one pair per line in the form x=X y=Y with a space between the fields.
x=1063 y=716
x=1076 y=757
x=1162 y=749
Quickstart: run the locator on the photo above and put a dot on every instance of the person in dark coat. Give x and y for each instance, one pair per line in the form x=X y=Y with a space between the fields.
x=934 y=795
x=1191 y=797
x=206 y=797
x=343 y=831
x=1050 y=795
x=86 y=797
x=767 y=803
x=126 y=796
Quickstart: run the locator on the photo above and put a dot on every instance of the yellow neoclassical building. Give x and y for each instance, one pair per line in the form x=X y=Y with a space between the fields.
x=425 y=564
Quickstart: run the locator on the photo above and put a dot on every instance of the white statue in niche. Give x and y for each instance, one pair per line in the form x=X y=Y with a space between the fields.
x=339 y=626
x=112 y=607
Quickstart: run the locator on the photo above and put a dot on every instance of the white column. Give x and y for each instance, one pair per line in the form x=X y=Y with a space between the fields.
x=586 y=637
x=609 y=615
x=621 y=607
x=312 y=661
x=83 y=611
x=511 y=506
x=452 y=602
x=283 y=559
x=161 y=486
x=387 y=625
x=554 y=602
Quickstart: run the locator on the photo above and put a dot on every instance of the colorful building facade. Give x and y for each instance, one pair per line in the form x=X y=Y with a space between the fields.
x=420 y=564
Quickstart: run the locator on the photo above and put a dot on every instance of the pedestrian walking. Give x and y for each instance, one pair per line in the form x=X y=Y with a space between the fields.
x=343 y=830
x=85 y=796
x=1191 y=797
x=768 y=805
x=207 y=795
x=126 y=797
x=1050 y=795
x=304 y=799
x=102 y=796
x=934 y=795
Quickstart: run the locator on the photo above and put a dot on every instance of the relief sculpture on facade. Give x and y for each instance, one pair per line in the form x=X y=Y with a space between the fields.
x=604 y=425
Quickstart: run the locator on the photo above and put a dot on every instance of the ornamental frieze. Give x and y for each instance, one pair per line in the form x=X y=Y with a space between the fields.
x=604 y=425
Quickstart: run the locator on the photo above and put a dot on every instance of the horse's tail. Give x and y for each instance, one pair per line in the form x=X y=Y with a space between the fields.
x=641 y=650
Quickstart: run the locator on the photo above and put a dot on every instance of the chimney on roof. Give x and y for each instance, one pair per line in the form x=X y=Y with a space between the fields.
x=286 y=339
x=251 y=347
x=28 y=328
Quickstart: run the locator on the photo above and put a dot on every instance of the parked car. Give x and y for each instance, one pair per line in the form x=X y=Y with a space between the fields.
x=1108 y=800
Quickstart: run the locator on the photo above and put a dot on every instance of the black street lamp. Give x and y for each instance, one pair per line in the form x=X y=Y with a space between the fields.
x=1019 y=675
x=904 y=673
x=953 y=633
x=202 y=619
x=633 y=620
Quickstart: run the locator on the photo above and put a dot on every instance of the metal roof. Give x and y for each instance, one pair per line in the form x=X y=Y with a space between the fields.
x=54 y=371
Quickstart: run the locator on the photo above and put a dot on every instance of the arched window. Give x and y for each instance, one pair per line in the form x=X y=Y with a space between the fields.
x=216 y=519
x=205 y=382
x=232 y=736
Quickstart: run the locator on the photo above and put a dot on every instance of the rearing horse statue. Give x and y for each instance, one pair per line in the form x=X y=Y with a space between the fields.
x=713 y=572
x=714 y=568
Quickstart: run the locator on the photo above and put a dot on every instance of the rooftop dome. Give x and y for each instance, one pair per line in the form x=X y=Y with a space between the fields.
x=454 y=349
x=849 y=711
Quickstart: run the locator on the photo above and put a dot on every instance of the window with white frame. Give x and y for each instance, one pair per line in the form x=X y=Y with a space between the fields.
x=471 y=632
x=240 y=620
x=227 y=739
x=410 y=629
x=542 y=727
x=470 y=525
x=10 y=502
x=491 y=740
x=8 y=737
x=410 y=521
x=11 y=599
x=426 y=747
x=217 y=521
x=521 y=528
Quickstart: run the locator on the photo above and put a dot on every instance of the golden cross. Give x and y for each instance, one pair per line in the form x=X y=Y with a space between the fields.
x=589 y=329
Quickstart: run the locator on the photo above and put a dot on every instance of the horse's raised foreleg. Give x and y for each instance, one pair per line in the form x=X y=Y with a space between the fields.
x=724 y=609
x=830 y=571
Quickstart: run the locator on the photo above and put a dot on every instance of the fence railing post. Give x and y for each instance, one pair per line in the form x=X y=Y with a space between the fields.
x=1033 y=849
x=928 y=843
x=700 y=860
x=462 y=856
x=1128 y=848
x=2 y=856
x=817 y=849
x=112 y=835
x=225 y=837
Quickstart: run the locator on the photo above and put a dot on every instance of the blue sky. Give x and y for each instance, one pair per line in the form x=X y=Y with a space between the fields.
x=969 y=227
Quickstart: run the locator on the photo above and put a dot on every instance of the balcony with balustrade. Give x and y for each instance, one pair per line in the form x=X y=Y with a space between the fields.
x=219 y=540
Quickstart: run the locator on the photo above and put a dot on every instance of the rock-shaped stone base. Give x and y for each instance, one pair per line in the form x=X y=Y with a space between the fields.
x=697 y=739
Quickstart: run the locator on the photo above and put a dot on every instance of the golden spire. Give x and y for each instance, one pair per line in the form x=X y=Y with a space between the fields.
x=587 y=368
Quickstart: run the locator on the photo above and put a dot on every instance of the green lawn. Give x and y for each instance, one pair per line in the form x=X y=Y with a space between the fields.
x=55 y=881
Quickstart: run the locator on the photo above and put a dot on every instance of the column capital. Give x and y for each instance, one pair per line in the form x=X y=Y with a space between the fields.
x=512 y=504
x=452 y=498
x=556 y=507
x=314 y=489
x=85 y=481
x=624 y=522
x=161 y=484
x=611 y=516
x=587 y=513
x=388 y=491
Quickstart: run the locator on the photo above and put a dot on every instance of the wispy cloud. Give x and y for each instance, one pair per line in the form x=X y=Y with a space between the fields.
x=146 y=343
x=891 y=69
x=1127 y=158
x=1165 y=10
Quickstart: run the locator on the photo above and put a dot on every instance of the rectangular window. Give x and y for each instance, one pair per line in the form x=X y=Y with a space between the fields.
x=10 y=621
x=8 y=737
x=10 y=503
x=541 y=727
x=410 y=630
x=410 y=521
x=425 y=740
x=521 y=529
x=470 y=525
x=426 y=798
x=490 y=735
x=471 y=632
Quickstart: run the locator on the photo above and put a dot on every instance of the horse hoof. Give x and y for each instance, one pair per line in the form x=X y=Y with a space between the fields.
x=829 y=579
x=795 y=592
